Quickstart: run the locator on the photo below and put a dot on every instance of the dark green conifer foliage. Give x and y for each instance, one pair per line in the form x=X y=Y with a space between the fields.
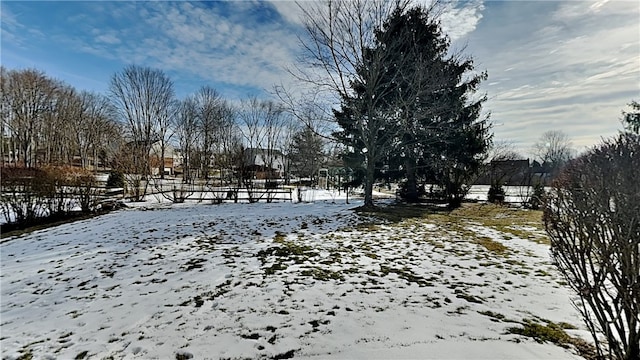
x=429 y=126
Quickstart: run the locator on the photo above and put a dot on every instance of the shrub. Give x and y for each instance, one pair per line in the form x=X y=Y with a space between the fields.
x=496 y=194
x=592 y=216
x=26 y=194
x=537 y=197
x=115 y=180
x=404 y=193
x=84 y=188
x=30 y=194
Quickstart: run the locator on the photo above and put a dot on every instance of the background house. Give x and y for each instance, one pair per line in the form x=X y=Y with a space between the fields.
x=170 y=163
x=515 y=173
x=265 y=163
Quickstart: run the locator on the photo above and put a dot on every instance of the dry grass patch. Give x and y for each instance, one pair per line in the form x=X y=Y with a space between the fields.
x=454 y=225
x=482 y=214
x=556 y=334
x=511 y=221
x=492 y=245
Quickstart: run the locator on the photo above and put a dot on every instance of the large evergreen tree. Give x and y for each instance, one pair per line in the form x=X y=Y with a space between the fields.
x=431 y=128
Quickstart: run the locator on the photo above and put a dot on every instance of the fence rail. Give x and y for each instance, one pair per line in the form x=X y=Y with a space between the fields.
x=228 y=194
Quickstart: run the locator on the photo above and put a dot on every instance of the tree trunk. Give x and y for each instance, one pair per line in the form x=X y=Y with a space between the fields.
x=412 y=186
x=161 y=166
x=26 y=154
x=633 y=350
x=368 y=181
x=95 y=160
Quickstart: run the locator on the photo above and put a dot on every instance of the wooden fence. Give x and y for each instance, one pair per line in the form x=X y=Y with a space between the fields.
x=226 y=194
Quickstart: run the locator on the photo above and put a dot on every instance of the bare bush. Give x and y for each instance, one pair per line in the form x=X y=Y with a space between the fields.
x=30 y=194
x=25 y=194
x=592 y=216
x=77 y=187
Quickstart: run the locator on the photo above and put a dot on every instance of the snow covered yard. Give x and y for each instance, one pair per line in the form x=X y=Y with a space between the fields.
x=283 y=280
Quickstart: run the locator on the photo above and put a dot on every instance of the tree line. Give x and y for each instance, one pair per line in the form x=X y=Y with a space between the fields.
x=46 y=122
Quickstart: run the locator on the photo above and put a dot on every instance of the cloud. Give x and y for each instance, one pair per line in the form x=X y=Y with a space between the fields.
x=574 y=72
x=244 y=44
x=228 y=44
x=108 y=38
x=460 y=19
x=10 y=27
x=220 y=48
x=290 y=11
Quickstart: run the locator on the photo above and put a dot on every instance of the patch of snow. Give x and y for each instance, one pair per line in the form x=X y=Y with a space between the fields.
x=191 y=279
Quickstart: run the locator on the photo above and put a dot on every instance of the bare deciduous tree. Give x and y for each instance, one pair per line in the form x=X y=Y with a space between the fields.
x=500 y=168
x=228 y=143
x=141 y=97
x=307 y=153
x=164 y=132
x=553 y=148
x=6 y=140
x=592 y=216
x=209 y=104
x=29 y=97
x=206 y=134
x=286 y=146
x=109 y=141
x=56 y=145
x=93 y=118
x=186 y=127
x=47 y=122
x=261 y=122
x=274 y=124
x=502 y=150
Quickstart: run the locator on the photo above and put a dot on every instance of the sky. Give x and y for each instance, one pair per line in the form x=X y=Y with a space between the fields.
x=570 y=66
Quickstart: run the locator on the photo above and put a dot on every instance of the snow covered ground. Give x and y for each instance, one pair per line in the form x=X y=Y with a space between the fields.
x=280 y=280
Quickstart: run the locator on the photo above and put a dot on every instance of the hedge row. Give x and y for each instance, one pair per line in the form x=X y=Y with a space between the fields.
x=31 y=194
